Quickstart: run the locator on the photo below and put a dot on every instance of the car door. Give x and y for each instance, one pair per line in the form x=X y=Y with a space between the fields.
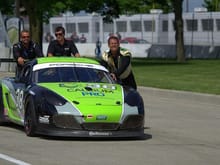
x=21 y=86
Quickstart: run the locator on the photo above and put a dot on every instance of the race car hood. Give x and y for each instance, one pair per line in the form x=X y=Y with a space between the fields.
x=92 y=98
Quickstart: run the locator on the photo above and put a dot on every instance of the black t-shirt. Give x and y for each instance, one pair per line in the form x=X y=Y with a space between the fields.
x=67 y=49
x=32 y=51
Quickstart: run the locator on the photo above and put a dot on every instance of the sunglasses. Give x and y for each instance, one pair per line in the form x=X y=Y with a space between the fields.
x=25 y=36
x=58 y=34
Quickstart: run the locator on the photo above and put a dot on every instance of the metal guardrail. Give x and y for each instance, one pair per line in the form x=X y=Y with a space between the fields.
x=7 y=60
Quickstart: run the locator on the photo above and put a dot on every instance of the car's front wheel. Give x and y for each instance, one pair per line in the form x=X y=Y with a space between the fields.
x=30 y=121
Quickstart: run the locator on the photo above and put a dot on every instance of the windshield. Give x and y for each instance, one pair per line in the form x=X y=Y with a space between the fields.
x=71 y=74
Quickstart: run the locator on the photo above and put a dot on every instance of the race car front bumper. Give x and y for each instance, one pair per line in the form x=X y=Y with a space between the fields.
x=61 y=132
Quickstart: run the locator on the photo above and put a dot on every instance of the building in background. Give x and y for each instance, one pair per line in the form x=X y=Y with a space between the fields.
x=200 y=27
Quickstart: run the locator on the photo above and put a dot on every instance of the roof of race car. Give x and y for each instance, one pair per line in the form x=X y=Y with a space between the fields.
x=48 y=62
x=43 y=60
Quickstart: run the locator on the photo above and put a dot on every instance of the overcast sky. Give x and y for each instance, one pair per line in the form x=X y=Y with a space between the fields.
x=192 y=4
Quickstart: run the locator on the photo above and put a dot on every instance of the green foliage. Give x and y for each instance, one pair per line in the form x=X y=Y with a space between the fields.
x=7 y=7
x=143 y=6
x=212 y=5
x=40 y=11
x=109 y=9
x=195 y=75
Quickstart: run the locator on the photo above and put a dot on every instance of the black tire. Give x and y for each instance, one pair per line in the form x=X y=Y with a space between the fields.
x=30 y=120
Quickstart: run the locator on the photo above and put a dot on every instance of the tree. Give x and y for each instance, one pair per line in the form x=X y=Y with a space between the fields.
x=36 y=10
x=35 y=15
x=7 y=7
x=212 y=5
x=40 y=11
x=144 y=6
x=178 y=24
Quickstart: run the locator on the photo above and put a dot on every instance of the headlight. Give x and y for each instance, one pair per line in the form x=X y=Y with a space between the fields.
x=134 y=99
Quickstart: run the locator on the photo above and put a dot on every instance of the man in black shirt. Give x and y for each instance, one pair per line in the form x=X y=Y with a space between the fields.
x=25 y=50
x=62 y=46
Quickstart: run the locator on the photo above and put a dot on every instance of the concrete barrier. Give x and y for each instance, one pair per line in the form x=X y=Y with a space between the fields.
x=5 y=52
x=138 y=50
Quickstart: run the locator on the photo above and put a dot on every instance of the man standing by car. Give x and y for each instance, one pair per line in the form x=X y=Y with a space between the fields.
x=25 y=50
x=62 y=46
x=118 y=62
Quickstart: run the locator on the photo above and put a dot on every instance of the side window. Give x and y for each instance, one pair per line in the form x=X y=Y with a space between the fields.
x=26 y=73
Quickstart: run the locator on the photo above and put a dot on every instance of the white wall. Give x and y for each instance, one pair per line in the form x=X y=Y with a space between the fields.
x=88 y=49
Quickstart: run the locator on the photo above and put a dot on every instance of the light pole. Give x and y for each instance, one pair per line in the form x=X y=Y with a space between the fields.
x=187 y=6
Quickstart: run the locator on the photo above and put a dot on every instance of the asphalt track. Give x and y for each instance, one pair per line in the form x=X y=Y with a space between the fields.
x=181 y=128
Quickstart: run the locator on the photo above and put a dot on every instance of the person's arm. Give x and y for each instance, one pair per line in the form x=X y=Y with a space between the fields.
x=124 y=63
x=50 y=49
x=74 y=50
x=17 y=56
x=77 y=55
x=16 y=52
x=38 y=51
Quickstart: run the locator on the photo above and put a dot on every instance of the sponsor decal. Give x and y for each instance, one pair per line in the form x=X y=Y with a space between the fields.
x=19 y=101
x=85 y=93
x=68 y=85
x=101 y=117
x=89 y=116
x=93 y=133
x=89 y=89
x=67 y=64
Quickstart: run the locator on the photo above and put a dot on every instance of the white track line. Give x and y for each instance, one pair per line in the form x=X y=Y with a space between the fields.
x=13 y=160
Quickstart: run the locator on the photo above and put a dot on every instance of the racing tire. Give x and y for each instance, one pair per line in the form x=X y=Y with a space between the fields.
x=30 y=121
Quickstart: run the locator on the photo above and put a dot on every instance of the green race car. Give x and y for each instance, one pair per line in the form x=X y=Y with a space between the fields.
x=70 y=97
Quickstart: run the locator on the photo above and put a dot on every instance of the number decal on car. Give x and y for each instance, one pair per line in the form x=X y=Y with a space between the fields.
x=19 y=98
